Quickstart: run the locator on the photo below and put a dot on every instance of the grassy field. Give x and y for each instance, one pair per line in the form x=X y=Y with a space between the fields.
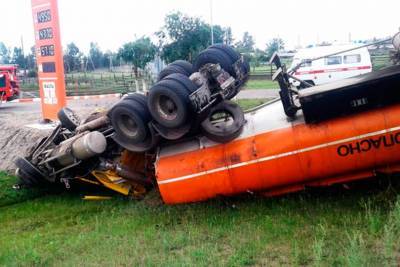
x=246 y=104
x=328 y=228
x=261 y=84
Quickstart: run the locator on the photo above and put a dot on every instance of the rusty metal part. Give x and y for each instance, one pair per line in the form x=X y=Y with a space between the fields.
x=94 y=124
x=132 y=176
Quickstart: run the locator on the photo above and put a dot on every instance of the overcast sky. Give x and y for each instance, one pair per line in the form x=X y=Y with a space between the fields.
x=113 y=22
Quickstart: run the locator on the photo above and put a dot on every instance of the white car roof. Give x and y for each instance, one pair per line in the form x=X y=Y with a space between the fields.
x=318 y=51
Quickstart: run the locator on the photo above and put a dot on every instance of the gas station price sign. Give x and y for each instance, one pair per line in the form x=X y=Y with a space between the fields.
x=49 y=57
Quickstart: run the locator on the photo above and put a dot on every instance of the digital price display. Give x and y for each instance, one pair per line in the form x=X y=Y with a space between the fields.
x=47 y=50
x=49 y=67
x=49 y=57
x=46 y=33
x=44 y=16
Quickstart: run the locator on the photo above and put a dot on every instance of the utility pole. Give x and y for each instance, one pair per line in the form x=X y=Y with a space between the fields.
x=23 y=55
x=211 y=22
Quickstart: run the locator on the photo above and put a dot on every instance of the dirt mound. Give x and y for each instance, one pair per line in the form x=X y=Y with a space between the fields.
x=14 y=142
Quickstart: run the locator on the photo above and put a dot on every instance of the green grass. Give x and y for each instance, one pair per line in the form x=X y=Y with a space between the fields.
x=353 y=228
x=246 y=104
x=8 y=196
x=261 y=84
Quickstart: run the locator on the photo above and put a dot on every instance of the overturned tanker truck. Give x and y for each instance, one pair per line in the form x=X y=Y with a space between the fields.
x=188 y=139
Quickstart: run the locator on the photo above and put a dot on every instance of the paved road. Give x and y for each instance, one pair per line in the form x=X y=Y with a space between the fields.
x=87 y=104
x=258 y=93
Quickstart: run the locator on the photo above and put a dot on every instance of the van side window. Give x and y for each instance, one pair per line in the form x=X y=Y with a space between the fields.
x=333 y=60
x=306 y=62
x=349 y=59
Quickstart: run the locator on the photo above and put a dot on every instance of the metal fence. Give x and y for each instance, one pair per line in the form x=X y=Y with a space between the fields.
x=94 y=83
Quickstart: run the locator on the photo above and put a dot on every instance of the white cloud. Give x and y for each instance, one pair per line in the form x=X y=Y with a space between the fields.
x=112 y=22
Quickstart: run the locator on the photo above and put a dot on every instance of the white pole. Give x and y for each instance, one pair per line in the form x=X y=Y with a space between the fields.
x=211 y=22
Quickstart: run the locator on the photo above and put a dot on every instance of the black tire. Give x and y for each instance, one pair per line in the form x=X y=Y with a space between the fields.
x=28 y=173
x=178 y=66
x=169 y=104
x=68 y=118
x=224 y=133
x=142 y=99
x=186 y=65
x=215 y=56
x=235 y=56
x=130 y=121
x=183 y=80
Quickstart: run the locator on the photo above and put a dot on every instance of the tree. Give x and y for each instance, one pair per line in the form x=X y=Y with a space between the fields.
x=246 y=45
x=139 y=53
x=31 y=59
x=228 y=37
x=274 y=45
x=109 y=60
x=183 y=37
x=5 y=54
x=95 y=56
x=18 y=58
x=72 y=58
x=257 y=58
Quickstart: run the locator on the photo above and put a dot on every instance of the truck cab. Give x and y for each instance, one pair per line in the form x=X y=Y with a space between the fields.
x=9 y=84
x=331 y=68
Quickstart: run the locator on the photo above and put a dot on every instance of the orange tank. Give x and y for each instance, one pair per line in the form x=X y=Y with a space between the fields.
x=276 y=156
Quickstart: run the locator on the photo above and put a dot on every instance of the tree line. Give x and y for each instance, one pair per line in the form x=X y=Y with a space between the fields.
x=181 y=37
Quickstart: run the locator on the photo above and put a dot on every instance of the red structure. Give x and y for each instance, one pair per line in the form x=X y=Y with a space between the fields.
x=49 y=57
x=9 y=84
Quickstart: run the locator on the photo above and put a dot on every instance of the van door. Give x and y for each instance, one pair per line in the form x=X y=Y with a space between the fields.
x=332 y=69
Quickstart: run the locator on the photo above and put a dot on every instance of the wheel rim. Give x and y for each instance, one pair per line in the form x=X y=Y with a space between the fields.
x=128 y=126
x=72 y=116
x=222 y=119
x=167 y=108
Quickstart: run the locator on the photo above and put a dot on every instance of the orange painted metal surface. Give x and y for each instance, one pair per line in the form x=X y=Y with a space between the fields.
x=284 y=158
x=49 y=57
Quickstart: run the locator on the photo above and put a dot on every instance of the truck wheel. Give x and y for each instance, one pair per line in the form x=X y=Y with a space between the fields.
x=178 y=66
x=68 y=118
x=142 y=99
x=28 y=173
x=215 y=56
x=183 y=80
x=130 y=121
x=224 y=123
x=169 y=104
x=235 y=56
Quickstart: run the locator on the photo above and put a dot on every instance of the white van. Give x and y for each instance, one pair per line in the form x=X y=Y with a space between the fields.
x=331 y=68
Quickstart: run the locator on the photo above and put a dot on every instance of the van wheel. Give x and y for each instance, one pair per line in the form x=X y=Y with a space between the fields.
x=169 y=103
x=68 y=118
x=130 y=119
x=224 y=123
x=178 y=66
